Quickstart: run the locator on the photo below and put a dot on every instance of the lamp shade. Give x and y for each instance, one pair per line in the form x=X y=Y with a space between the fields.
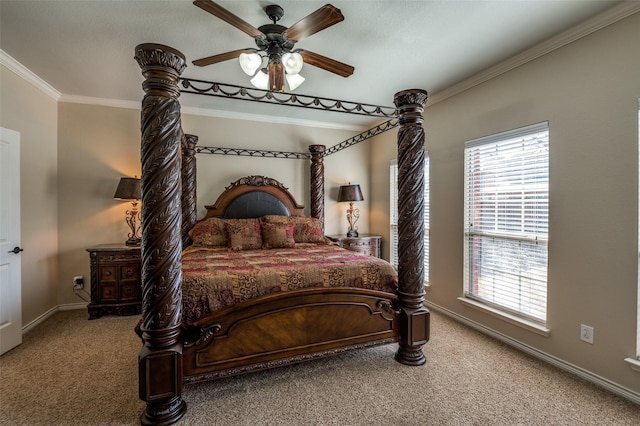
x=250 y=62
x=294 y=80
x=292 y=62
x=128 y=189
x=350 y=193
x=261 y=80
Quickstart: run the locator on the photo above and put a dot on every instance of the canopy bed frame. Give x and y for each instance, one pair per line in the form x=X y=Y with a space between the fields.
x=304 y=324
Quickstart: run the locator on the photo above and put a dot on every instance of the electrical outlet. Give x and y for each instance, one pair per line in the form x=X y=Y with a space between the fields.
x=586 y=333
x=78 y=282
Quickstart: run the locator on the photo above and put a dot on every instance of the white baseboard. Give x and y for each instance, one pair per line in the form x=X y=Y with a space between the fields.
x=72 y=306
x=557 y=362
x=64 y=307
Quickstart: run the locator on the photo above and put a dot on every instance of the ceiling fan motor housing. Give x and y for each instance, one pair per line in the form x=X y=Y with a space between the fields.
x=275 y=43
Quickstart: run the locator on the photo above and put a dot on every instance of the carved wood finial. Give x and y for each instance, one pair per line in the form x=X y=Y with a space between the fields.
x=161 y=66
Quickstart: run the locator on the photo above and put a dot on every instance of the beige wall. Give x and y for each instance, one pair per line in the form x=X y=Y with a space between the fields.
x=588 y=92
x=28 y=110
x=98 y=145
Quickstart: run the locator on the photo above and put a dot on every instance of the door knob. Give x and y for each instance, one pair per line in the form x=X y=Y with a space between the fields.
x=15 y=250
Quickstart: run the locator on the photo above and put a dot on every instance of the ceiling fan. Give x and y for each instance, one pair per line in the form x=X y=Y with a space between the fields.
x=276 y=44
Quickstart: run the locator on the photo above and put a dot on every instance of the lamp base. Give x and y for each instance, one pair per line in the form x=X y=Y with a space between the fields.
x=352 y=233
x=132 y=242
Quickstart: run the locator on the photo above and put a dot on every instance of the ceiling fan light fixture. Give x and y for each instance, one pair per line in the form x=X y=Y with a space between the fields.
x=275 y=43
x=292 y=62
x=261 y=80
x=250 y=62
x=294 y=80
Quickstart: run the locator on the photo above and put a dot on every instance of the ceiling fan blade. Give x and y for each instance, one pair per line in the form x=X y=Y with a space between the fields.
x=325 y=63
x=276 y=77
x=222 y=13
x=322 y=18
x=203 y=62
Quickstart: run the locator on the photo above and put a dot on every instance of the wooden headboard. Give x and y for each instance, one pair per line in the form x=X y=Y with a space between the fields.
x=255 y=196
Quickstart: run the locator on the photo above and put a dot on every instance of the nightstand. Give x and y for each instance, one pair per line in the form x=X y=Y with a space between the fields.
x=116 y=287
x=364 y=243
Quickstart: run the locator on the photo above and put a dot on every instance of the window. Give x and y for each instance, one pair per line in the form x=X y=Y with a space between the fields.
x=393 y=175
x=506 y=221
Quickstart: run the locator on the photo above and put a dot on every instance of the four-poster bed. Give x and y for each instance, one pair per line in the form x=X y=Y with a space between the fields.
x=272 y=329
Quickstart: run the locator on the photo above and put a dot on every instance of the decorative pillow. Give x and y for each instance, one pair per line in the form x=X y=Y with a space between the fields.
x=307 y=230
x=273 y=218
x=277 y=235
x=244 y=234
x=209 y=233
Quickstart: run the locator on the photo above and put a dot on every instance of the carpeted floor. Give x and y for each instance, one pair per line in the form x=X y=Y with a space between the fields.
x=71 y=371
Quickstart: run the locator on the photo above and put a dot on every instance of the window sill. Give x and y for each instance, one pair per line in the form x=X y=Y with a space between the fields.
x=511 y=319
x=634 y=363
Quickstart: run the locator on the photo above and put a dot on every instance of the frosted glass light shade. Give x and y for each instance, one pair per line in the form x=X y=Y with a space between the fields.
x=294 y=80
x=250 y=62
x=292 y=62
x=261 y=80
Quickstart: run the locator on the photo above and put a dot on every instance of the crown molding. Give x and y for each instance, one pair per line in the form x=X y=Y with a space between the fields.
x=17 y=68
x=602 y=20
x=88 y=100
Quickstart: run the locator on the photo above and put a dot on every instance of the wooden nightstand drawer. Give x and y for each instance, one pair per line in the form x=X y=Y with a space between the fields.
x=107 y=273
x=117 y=256
x=130 y=272
x=130 y=292
x=364 y=243
x=115 y=280
x=108 y=293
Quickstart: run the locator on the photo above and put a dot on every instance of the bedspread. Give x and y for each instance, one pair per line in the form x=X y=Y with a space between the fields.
x=214 y=278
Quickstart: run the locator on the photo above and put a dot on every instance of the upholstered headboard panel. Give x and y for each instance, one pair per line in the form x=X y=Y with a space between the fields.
x=255 y=204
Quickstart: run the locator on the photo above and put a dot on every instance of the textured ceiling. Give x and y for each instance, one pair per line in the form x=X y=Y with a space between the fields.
x=85 y=48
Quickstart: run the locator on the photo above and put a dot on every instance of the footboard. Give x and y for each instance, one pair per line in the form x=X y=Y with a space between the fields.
x=287 y=328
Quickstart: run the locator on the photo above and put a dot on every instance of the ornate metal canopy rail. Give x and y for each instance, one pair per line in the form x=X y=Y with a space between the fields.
x=374 y=131
x=252 y=153
x=222 y=90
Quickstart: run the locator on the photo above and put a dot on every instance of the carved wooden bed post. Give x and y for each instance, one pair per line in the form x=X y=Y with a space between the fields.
x=317 y=182
x=160 y=360
x=189 y=208
x=411 y=156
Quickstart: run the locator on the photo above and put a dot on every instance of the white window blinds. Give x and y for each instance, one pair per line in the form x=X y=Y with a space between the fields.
x=506 y=220
x=393 y=214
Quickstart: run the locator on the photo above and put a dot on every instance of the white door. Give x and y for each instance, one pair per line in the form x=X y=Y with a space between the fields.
x=10 y=280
